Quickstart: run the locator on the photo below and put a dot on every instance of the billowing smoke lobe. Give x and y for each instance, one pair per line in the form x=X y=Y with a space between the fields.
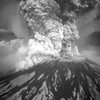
x=15 y=23
x=65 y=74
x=12 y=29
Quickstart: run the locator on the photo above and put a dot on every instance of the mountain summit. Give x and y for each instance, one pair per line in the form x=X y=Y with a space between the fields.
x=54 y=80
x=55 y=70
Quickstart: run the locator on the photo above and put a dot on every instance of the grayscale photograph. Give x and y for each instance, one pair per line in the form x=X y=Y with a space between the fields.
x=49 y=49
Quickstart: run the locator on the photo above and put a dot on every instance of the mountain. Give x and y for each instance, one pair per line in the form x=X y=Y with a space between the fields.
x=57 y=79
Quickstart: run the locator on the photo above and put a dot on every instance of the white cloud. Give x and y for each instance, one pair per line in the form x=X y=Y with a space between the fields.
x=11 y=53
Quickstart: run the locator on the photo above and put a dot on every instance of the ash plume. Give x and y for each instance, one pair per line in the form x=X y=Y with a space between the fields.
x=52 y=24
x=43 y=19
x=54 y=69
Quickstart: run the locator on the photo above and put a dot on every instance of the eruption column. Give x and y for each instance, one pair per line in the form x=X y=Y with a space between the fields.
x=53 y=32
x=50 y=35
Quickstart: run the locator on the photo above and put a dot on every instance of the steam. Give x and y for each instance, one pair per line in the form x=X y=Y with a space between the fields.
x=20 y=55
x=11 y=53
x=51 y=37
x=41 y=17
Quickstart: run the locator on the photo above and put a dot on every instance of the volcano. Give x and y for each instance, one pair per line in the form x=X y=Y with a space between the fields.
x=53 y=69
x=54 y=80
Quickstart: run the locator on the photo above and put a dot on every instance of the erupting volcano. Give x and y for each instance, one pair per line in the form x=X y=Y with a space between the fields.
x=52 y=67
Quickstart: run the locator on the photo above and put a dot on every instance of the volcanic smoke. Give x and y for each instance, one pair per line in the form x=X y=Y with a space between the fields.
x=49 y=66
x=50 y=36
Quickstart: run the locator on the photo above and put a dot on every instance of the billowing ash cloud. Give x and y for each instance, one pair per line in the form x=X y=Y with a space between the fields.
x=45 y=17
x=11 y=53
x=53 y=28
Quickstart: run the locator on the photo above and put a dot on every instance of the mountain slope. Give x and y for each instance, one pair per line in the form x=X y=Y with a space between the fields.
x=54 y=80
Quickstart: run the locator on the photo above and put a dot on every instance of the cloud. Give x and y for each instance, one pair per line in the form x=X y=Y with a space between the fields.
x=6 y=35
x=91 y=54
x=12 y=26
x=11 y=53
x=94 y=39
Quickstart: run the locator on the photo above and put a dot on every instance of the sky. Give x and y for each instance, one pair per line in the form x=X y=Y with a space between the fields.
x=89 y=31
x=11 y=20
x=13 y=26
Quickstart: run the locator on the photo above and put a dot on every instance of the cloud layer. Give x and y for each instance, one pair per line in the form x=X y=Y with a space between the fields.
x=11 y=53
